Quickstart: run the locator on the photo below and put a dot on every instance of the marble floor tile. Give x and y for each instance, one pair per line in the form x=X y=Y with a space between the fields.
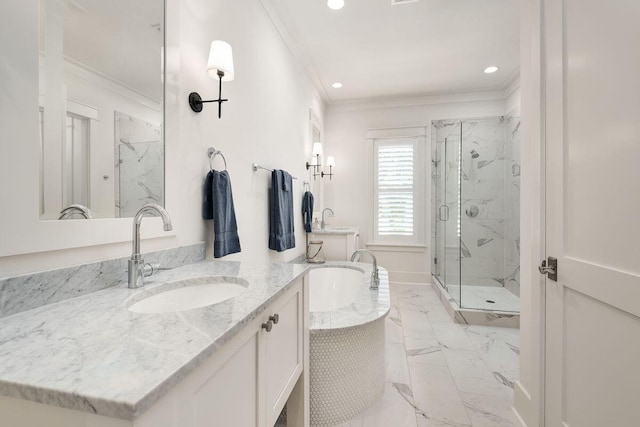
x=452 y=336
x=415 y=320
x=499 y=349
x=395 y=408
x=435 y=394
x=424 y=350
x=471 y=374
x=483 y=335
x=393 y=329
x=441 y=374
x=489 y=411
x=439 y=315
x=396 y=366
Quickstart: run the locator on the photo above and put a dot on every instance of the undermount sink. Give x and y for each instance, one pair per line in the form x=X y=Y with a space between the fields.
x=187 y=294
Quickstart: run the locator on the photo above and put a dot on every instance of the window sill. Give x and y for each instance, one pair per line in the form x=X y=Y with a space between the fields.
x=395 y=247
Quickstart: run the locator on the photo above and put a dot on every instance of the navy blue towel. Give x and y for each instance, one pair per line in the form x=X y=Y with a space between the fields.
x=281 y=234
x=207 y=197
x=307 y=210
x=226 y=240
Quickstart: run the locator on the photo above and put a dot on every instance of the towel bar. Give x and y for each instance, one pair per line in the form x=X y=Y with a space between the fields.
x=256 y=166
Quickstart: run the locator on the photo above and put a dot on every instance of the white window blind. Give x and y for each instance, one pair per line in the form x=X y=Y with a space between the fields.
x=395 y=189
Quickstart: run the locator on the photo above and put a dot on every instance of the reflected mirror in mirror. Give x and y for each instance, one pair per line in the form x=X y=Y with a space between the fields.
x=101 y=107
x=315 y=133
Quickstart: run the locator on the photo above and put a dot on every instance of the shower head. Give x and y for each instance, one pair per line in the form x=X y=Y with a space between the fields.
x=474 y=154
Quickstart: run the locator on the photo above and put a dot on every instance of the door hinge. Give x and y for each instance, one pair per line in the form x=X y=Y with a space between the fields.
x=435 y=261
x=550 y=268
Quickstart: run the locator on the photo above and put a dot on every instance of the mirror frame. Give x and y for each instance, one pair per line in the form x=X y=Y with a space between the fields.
x=21 y=230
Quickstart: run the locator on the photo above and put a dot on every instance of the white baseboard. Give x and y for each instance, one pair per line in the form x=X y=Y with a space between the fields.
x=408 y=277
x=523 y=406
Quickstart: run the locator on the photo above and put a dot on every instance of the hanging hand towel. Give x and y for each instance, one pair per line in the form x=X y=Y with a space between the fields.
x=307 y=210
x=226 y=240
x=207 y=197
x=281 y=233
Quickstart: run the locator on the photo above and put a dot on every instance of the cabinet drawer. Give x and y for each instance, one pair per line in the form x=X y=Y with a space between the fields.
x=283 y=353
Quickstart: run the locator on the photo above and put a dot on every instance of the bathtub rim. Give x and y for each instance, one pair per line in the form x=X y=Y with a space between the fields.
x=368 y=310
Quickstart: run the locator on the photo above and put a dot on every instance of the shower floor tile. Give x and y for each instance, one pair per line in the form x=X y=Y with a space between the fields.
x=479 y=297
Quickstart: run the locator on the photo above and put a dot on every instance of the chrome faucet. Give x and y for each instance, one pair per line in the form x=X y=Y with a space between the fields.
x=136 y=263
x=375 y=279
x=70 y=210
x=323 y=223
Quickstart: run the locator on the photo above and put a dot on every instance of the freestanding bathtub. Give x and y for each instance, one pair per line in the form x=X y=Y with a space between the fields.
x=346 y=340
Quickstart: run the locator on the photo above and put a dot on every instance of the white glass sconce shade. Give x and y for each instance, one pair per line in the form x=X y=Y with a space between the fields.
x=221 y=59
x=331 y=161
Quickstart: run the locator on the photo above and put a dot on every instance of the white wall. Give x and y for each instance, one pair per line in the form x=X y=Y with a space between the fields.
x=266 y=121
x=345 y=129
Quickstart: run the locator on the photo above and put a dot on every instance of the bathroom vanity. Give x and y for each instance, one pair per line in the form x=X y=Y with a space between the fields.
x=92 y=362
x=338 y=242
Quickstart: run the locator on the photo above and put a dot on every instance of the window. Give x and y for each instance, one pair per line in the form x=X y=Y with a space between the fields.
x=398 y=199
x=395 y=187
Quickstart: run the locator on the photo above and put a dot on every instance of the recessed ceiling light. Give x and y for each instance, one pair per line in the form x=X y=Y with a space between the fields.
x=336 y=85
x=335 y=4
x=491 y=69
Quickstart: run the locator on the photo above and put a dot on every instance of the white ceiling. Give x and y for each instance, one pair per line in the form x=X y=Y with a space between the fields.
x=428 y=47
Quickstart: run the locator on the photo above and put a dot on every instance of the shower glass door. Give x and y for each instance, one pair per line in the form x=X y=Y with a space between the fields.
x=446 y=179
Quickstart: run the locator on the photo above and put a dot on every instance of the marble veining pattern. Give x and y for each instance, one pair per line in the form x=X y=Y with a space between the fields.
x=90 y=354
x=34 y=290
x=139 y=164
x=469 y=384
x=368 y=306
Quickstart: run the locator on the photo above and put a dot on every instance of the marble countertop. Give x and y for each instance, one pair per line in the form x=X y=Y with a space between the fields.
x=91 y=354
x=337 y=230
x=369 y=305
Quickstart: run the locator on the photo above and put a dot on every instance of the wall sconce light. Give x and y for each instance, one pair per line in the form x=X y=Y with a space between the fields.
x=315 y=160
x=220 y=65
x=331 y=162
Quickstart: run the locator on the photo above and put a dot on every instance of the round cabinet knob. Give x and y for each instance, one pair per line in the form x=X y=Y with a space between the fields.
x=275 y=318
x=268 y=326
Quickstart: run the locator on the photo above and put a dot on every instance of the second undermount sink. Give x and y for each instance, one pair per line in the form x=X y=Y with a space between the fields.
x=187 y=294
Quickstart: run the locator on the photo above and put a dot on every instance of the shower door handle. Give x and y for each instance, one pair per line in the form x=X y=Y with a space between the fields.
x=443 y=213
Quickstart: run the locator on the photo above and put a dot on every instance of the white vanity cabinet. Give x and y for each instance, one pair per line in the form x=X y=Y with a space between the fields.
x=338 y=243
x=246 y=383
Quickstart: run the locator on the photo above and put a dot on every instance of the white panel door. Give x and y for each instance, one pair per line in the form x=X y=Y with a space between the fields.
x=592 y=155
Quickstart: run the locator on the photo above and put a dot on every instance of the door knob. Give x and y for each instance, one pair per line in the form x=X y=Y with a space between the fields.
x=275 y=318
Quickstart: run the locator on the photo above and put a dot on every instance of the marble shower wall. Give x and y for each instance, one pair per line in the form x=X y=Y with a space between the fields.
x=139 y=164
x=512 y=198
x=479 y=243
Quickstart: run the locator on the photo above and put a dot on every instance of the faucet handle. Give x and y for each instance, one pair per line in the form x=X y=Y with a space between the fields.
x=153 y=268
x=148 y=270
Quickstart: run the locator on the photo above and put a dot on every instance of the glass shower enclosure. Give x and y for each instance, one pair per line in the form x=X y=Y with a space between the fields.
x=476 y=211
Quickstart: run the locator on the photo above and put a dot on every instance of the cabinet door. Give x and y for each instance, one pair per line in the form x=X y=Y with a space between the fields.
x=230 y=396
x=283 y=353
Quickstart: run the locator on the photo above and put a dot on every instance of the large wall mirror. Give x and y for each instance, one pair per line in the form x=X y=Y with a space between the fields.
x=101 y=104
x=316 y=134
